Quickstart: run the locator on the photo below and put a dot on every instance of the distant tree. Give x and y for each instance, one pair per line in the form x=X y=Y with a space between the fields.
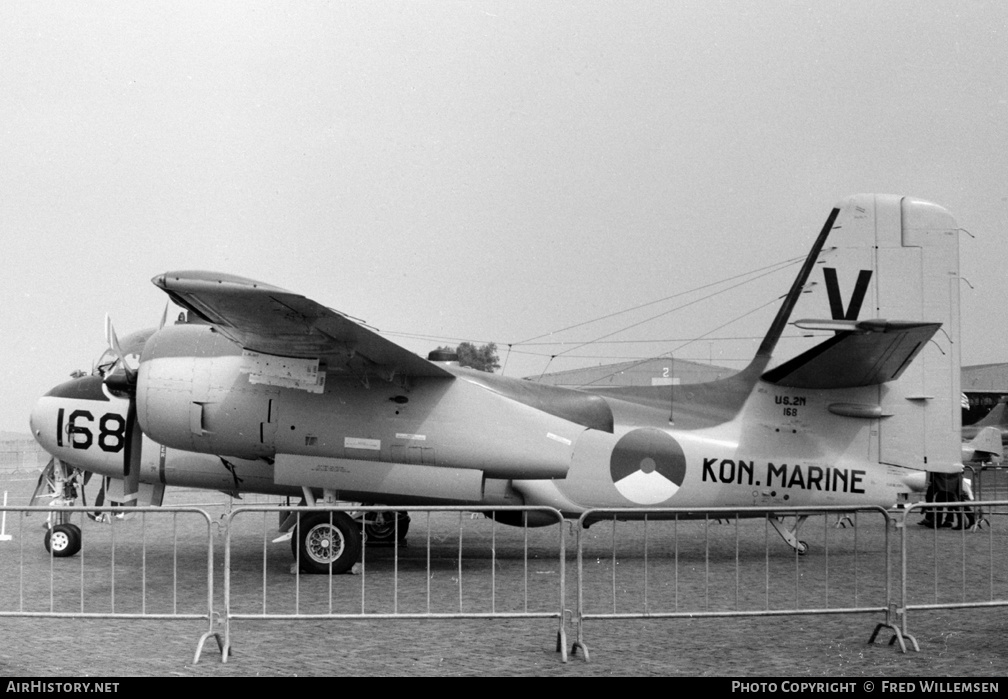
x=483 y=358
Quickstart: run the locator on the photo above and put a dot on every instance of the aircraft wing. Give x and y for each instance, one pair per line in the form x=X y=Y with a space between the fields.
x=270 y=320
x=862 y=353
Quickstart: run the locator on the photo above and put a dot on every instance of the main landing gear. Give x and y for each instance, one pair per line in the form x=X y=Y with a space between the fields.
x=383 y=528
x=326 y=542
x=331 y=542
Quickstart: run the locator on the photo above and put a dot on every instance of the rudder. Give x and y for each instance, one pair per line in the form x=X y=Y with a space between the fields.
x=897 y=259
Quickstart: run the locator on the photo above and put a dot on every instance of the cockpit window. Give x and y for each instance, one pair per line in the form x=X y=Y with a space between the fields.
x=132 y=346
x=106 y=363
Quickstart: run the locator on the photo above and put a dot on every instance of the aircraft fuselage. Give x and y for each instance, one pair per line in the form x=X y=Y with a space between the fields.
x=474 y=439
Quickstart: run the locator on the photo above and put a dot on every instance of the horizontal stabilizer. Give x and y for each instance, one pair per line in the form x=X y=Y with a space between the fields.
x=862 y=353
x=876 y=325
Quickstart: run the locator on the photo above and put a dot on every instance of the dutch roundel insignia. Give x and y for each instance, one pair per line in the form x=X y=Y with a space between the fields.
x=647 y=466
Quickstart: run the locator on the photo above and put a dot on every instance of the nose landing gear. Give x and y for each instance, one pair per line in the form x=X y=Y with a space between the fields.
x=63 y=540
x=58 y=485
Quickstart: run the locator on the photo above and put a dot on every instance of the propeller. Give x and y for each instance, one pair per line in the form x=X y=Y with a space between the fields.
x=126 y=383
x=113 y=342
x=99 y=500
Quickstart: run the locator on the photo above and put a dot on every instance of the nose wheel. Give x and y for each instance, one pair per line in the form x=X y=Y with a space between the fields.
x=63 y=540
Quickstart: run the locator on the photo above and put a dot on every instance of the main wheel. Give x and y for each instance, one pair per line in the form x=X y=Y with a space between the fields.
x=381 y=531
x=327 y=541
x=63 y=540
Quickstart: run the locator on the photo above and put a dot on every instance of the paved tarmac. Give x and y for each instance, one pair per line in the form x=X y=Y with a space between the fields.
x=953 y=643
x=960 y=644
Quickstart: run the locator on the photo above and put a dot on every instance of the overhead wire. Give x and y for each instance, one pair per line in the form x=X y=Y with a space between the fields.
x=665 y=313
x=760 y=272
x=744 y=277
x=768 y=269
x=671 y=352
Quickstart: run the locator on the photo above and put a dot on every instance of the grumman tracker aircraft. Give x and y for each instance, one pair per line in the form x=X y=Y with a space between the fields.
x=263 y=390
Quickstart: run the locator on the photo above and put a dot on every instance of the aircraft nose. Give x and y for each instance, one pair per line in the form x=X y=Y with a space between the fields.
x=44 y=413
x=42 y=421
x=34 y=419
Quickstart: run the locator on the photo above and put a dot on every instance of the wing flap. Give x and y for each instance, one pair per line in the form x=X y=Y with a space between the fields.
x=871 y=353
x=268 y=319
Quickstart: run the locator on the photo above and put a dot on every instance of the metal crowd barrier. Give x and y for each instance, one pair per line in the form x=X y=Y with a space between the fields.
x=457 y=564
x=963 y=553
x=460 y=570
x=988 y=482
x=91 y=584
x=729 y=562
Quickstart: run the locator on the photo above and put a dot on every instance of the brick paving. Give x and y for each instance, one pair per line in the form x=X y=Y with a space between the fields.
x=959 y=643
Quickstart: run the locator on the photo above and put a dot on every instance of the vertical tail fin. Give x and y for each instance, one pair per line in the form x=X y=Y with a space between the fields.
x=986 y=446
x=892 y=267
x=884 y=274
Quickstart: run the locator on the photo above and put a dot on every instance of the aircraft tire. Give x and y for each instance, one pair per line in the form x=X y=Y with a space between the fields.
x=63 y=540
x=322 y=544
x=383 y=533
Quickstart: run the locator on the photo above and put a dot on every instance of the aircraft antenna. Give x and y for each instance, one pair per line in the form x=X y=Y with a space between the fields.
x=766 y=348
x=552 y=357
x=508 y=356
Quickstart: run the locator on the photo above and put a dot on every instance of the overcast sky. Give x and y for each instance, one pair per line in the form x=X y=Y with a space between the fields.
x=484 y=171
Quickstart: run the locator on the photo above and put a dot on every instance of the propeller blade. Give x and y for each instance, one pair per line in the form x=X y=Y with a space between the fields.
x=113 y=342
x=164 y=316
x=98 y=502
x=113 y=339
x=132 y=454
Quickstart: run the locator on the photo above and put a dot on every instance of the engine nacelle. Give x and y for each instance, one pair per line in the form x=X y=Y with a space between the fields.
x=192 y=395
x=199 y=391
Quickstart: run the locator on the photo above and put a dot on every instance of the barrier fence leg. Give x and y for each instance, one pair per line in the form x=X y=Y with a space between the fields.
x=203 y=639
x=4 y=536
x=561 y=644
x=890 y=624
x=579 y=643
x=221 y=646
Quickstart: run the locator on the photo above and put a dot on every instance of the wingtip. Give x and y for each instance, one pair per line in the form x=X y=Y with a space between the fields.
x=168 y=281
